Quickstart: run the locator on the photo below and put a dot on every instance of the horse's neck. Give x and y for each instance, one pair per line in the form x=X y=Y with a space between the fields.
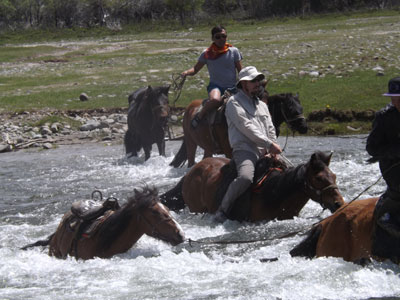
x=286 y=183
x=129 y=236
x=275 y=110
x=282 y=196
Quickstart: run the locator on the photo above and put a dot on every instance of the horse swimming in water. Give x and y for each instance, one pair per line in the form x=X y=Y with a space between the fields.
x=348 y=233
x=280 y=195
x=116 y=230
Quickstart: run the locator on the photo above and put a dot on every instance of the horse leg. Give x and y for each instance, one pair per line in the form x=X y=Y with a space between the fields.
x=130 y=143
x=161 y=147
x=147 y=150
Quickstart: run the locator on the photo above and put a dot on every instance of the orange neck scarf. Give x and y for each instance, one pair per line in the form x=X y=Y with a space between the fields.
x=213 y=52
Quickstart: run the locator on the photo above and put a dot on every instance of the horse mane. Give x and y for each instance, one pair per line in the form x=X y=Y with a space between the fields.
x=281 y=184
x=115 y=225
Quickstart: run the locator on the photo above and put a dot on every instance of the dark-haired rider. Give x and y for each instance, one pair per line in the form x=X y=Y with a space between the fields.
x=223 y=61
x=383 y=144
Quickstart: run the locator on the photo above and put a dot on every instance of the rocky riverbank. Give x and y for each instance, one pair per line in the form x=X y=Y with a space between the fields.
x=51 y=128
x=48 y=129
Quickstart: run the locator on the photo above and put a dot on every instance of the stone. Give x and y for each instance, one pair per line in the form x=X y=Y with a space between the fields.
x=91 y=125
x=5 y=148
x=47 y=146
x=83 y=97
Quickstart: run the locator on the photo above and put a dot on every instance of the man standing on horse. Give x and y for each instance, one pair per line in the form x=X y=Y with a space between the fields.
x=251 y=135
x=383 y=144
x=222 y=60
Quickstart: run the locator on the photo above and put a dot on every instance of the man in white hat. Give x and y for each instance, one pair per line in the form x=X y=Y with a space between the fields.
x=251 y=135
x=383 y=144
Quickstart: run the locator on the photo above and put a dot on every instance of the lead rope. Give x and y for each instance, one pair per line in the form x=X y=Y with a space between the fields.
x=177 y=84
x=190 y=241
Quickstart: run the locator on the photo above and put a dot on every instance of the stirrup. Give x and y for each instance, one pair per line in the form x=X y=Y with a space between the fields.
x=195 y=121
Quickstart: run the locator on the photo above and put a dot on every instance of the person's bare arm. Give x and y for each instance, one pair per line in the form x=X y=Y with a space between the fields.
x=193 y=71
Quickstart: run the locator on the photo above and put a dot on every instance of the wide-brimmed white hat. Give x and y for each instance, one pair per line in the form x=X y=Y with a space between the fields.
x=249 y=73
x=393 y=87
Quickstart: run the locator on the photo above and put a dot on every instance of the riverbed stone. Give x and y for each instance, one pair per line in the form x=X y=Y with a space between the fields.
x=91 y=125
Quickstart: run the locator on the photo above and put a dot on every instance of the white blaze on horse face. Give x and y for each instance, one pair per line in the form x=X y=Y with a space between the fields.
x=176 y=223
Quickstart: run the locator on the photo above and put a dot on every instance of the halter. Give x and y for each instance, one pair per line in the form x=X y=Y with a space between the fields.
x=287 y=120
x=316 y=194
x=154 y=231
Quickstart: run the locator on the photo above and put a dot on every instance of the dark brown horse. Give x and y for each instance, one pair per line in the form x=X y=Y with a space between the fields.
x=147 y=120
x=280 y=196
x=283 y=108
x=116 y=231
x=347 y=233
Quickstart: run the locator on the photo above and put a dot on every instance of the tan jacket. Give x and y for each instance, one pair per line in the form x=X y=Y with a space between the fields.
x=250 y=125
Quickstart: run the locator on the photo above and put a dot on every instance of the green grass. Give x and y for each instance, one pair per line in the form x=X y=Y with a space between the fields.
x=49 y=69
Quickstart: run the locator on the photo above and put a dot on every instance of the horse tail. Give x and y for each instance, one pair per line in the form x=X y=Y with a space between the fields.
x=132 y=145
x=180 y=157
x=308 y=247
x=173 y=199
x=45 y=242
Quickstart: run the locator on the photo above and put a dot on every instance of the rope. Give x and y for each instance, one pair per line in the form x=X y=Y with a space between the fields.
x=177 y=85
x=380 y=177
x=190 y=241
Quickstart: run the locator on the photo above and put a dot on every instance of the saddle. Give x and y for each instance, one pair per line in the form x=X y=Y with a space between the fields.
x=87 y=215
x=216 y=117
x=266 y=168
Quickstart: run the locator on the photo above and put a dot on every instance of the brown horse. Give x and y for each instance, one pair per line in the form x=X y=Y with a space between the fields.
x=347 y=233
x=280 y=196
x=147 y=120
x=116 y=231
x=283 y=108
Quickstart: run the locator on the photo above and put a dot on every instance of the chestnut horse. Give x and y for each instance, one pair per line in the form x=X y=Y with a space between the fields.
x=283 y=108
x=280 y=196
x=117 y=230
x=147 y=120
x=347 y=234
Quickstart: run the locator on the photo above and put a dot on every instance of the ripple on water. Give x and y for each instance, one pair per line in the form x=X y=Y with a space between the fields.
x=38 y=187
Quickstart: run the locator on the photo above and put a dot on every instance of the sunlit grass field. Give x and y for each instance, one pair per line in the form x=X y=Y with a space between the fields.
x=50 y=71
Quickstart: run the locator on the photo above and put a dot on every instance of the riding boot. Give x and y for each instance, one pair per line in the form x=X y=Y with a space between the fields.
x=386 y=231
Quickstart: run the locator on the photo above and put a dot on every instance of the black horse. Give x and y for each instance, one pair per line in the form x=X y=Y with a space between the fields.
x=287 y=108
x=147 y=120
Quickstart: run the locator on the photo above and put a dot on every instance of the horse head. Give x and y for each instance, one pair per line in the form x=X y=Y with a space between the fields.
x=156 y=218
x=287 y=108
x=320 y=182
x=158 y=98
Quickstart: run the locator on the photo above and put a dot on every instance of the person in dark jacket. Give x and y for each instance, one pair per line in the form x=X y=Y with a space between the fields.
x=383 y=144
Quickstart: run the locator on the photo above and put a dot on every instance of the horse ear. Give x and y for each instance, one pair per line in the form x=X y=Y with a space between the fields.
x=320 y=156
x=328 y=158
x=149 y=88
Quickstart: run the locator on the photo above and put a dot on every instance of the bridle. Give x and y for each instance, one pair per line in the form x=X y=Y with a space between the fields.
x=316 y=194
x=154 y=232
x=288 y=121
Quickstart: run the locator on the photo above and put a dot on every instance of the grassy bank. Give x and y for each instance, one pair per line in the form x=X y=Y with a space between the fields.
x=347 y=51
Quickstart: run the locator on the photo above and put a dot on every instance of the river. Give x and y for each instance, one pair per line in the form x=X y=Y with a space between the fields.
x=38 y=187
